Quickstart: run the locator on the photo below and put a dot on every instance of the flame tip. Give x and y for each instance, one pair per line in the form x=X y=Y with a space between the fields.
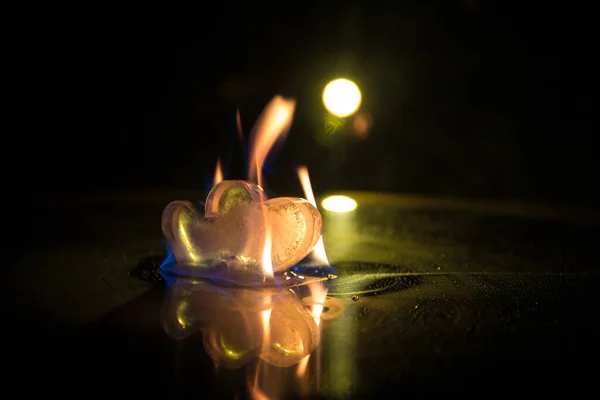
x=218 y=177
x=273 y=123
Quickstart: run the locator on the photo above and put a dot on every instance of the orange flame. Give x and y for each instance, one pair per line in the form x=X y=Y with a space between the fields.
x=267 y=263
x=301 y=370
x=318 y=291
x=218 y=178
x=274 y=121
x=319 y=250
x=306 y=186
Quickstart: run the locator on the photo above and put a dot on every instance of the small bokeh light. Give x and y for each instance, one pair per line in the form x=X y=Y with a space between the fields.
x=342 y=97
x=361 y=125
x=339 y=204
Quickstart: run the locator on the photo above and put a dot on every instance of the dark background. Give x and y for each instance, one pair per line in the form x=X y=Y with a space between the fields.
x=471 y=98
x=468 y=98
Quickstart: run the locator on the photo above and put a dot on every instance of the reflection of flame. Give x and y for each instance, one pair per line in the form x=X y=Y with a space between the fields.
x=318 y=251
x=318 y=292
x=274 y=328
x=274 y=121
x=218 y=173
x=240 y=323
x=266 y=322
x=301 y=370
x=255 y=392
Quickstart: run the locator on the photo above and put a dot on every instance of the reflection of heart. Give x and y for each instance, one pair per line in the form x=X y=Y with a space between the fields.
x=232 y=322
x=234 y=226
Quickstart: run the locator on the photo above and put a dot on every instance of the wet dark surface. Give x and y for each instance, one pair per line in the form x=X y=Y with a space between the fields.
x=450 y=300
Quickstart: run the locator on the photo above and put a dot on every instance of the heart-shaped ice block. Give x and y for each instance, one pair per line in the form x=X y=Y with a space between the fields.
x=234 y=227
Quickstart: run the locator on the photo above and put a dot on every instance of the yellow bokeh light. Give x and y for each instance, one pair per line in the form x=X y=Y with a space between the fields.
x=339 y=204
x=342 y=97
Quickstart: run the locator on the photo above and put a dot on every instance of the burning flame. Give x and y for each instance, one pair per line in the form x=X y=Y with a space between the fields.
x=318 y=291
x=256 y=392
x=274 y=121
x=218 y=178
x=319 y=250
x=266 y=261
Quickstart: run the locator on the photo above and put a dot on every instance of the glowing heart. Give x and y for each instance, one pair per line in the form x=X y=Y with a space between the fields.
x=236 y=226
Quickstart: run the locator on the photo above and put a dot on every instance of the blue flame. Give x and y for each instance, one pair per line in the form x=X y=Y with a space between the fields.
x=169 y=258
x=310 y=267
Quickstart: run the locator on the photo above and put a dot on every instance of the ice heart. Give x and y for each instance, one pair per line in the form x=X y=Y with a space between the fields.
x=234 y=227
